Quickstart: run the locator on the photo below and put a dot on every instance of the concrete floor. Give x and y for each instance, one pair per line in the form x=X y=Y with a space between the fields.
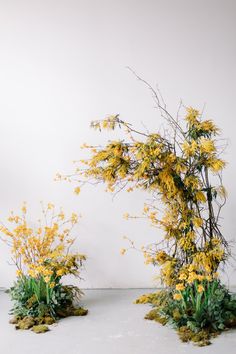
x=114 y=326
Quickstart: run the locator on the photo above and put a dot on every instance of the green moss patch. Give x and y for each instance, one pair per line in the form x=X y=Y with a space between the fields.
x=40 y=329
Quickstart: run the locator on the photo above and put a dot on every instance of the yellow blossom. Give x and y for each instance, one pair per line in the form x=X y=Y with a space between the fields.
x=126 y=216
x=180 y=287
x=19 y=273
x=77 y=190
x=74 y=218
x=200 y=196
x=197 y=222
x=177 y=297
x=60 y=272
x=122 y=251
x=200 y=288
x=50 y=206
x=182 y=276
x=207 y=146
x=189 y=148
x=216 y=164
x=47 y=279
x=23 y=209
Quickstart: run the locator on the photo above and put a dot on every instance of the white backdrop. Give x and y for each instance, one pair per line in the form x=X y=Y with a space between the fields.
x=62 y=64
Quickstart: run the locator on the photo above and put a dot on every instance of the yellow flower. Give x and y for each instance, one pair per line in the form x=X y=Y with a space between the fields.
x=207 y=146
x=52 y=285
x=191 y=268
x=192 y=276
x=47 y=279
x=60 y=272
x=192 y=115
x=77 y=190
x=74 y=218
x=208 y=125
x=61 y=215
x=215 y=164
x=19 y=273
x=200 y=288
x=200 y=196
x=189 y=148
x=182 y=276
x=50 y=206
x=122 y=251
x=126 y=216
x=146 y=209
x=177 y=297
x=46 y=272
x=23 y=209
x=197 y=222
x=32 y=273
x=180 y=286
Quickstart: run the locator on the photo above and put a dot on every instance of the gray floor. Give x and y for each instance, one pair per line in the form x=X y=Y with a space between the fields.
x=114 y=326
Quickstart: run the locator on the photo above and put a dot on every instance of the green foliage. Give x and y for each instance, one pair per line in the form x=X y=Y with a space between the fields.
x=34 y=300
x=197 y=316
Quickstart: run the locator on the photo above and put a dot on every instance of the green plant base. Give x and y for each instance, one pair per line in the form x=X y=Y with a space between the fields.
x=217 y=314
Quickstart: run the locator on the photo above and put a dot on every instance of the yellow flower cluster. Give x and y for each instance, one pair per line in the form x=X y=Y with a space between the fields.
x=177 y=173
x=43 y=251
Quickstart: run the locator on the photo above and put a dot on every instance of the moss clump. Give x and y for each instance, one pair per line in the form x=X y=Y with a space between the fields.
x=152 y=298
x=80 y=312
x=71 y=311
x=25 y=323
x=40 y=329
x=40 y=324
x=14 y=320
x=47 y=320
x=29 y=322
x=154 y=315
x=200 y=338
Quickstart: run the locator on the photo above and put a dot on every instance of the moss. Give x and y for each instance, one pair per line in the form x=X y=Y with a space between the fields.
x=26 y=323
x=154 y=315
x=14 y=320
x=40 y=324
x=64 y=312
x=48 y=320
x=40 y=329
x=231 y=322
x=200 y=338
x=80 y=312
x=152 y=298
x=176 y=315
x=71 y=311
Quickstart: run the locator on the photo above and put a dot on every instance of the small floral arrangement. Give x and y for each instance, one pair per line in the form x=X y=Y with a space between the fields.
x=42 y=256
x=198 y=311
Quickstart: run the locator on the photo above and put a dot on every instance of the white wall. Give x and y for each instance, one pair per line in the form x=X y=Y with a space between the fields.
x=62 y=64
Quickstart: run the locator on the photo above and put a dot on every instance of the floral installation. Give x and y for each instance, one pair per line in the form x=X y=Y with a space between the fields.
x=180 y=166
x=42 y=255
